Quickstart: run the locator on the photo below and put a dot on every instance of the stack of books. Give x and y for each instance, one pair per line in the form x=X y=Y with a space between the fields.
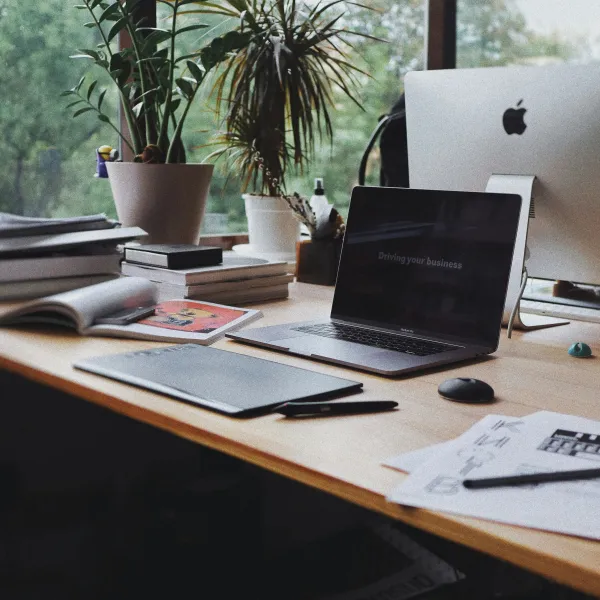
x=236 y=280
x=41 y=256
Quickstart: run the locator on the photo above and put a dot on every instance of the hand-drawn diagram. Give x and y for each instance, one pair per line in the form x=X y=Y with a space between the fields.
x=573 y=443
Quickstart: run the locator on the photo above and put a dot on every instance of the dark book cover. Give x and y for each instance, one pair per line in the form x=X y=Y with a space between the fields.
x=174 y=256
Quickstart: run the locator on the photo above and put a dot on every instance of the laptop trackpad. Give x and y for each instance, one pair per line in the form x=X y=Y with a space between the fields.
x=324 y=346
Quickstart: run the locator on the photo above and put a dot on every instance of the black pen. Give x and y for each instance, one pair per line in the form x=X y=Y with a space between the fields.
x=294 y=409
x=509 y=480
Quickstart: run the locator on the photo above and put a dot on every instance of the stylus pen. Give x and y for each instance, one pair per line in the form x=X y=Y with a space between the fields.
x=294 y=409
x=489 y=482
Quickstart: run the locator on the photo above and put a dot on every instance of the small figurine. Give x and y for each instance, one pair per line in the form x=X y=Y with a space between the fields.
x=580 y=350
x=104 y=154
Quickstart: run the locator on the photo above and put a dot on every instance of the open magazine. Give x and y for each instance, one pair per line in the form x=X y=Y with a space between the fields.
x=173 y=320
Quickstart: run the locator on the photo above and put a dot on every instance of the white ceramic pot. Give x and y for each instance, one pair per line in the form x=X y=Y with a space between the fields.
x=167 y=201
x=272 y=226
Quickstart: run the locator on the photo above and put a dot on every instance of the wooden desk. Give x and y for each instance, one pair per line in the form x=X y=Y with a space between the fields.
x=342 y=456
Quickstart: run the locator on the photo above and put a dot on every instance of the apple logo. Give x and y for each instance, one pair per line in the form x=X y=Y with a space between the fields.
x=513 y=120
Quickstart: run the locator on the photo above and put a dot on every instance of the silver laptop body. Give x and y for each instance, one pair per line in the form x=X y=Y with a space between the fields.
x=421 y=282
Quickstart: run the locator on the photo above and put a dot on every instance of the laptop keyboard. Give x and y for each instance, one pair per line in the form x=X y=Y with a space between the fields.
x=377 y=339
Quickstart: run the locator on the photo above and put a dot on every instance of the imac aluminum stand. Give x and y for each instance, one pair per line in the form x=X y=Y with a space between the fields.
x=512 y=318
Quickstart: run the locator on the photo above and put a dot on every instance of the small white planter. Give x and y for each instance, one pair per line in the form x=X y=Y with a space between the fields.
x=272 y=227
x=167 y=201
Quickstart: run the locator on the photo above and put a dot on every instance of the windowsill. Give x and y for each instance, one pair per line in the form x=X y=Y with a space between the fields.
x=224 y=240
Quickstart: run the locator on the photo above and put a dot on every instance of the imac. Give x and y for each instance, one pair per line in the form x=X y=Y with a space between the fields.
x=540 y=124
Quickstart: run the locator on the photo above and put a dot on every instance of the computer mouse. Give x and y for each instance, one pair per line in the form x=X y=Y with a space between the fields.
x=465 y=389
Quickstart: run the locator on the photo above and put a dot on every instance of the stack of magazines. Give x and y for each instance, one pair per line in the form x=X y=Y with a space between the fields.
x=237 y=280
x=40 y=256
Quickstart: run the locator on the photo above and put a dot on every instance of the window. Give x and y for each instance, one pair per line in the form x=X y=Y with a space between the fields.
x=531 y=32
x=48 y=158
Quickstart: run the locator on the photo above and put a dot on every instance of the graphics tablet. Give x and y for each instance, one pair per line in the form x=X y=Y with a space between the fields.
x=228 y=382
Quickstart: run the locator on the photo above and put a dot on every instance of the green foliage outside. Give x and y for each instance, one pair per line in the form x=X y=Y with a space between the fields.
x=49 y=158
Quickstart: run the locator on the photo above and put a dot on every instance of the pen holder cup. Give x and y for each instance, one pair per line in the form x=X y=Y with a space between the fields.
x=317 y=261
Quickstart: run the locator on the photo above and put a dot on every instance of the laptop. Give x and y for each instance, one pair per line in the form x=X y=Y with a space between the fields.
x=421 y=282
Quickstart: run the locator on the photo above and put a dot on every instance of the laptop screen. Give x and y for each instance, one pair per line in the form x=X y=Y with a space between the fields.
x=431 y=263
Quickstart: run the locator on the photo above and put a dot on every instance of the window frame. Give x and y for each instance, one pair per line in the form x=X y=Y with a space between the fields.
x=440 y=39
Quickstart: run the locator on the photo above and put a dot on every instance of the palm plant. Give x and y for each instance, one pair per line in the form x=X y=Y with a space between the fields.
x=156 y=86
x=276 y=90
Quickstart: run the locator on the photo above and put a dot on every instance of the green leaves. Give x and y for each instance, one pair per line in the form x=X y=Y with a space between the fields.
x=186 y=87
x=156 y=92
x=82 y=110
x=120 y=68
x=276 y=84
x=91 y=89
x=220 y=47
x=154 y=36
x=195 y=70
x=85 y=98
x=111 y=13
x=101 y=99
x=87 y=54
x=117 y=28
x=191 y=28
x=74 y=103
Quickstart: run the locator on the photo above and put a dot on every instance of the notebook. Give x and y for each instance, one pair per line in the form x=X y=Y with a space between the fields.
x=228 y=382
x=422 y=282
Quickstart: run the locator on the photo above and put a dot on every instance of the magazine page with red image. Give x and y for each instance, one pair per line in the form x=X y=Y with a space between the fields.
x=183 y=321
x=196 y=317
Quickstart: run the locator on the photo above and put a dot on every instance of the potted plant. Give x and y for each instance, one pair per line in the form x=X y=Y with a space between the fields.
x=157 y=191
x=275 y=93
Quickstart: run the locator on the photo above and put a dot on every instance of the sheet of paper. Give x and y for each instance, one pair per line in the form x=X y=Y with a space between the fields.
x=409 y=461
x=500 y=445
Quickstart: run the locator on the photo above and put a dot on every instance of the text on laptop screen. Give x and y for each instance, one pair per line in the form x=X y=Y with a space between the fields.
x=429 y=263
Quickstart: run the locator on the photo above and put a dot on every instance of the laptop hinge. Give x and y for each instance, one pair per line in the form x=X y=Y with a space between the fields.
x=403 y=334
